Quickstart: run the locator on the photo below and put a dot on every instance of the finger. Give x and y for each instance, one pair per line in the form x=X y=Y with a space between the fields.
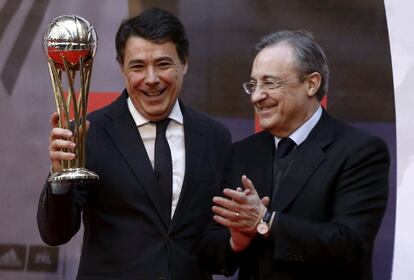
x=56 y=166
x=60 y=133
x=225 y=213
x=238 y=196
x=228 y=223
x=61 y=155
x=87 y=125
x=231 y=205
x=248 y=184
x=222 y=221
x=266 y=201
x=54 y=120
x=246 y=192
x=59 y=144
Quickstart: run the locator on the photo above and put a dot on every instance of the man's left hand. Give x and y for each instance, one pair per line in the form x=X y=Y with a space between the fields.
x=240 y=211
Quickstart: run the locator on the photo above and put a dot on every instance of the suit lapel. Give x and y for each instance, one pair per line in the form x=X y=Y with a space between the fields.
x=125 y=136
x=195 y=148
x=309 y=155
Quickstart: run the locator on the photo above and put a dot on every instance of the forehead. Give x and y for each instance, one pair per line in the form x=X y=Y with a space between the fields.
x=138 y=48
x=277 y=61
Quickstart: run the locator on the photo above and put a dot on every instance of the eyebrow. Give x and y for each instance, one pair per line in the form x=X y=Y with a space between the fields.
x=162 y=58
x=135 y=61
x=265 y=77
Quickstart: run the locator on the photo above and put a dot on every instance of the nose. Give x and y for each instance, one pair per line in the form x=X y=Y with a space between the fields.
x=151 y=76
x=258 y=95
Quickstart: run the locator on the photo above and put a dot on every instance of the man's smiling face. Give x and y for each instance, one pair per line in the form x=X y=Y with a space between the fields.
x=153 y=76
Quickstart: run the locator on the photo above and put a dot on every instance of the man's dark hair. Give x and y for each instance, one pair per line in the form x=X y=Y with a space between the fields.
x=310 y=56
x=155 y=25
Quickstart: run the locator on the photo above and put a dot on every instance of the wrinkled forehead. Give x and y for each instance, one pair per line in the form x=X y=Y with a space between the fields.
x=138 y=48
x=275 y=61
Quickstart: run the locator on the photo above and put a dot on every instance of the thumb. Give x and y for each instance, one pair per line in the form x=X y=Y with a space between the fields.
x=88 y=124
x=266 y=201
x=248 y=184
x=54 y=120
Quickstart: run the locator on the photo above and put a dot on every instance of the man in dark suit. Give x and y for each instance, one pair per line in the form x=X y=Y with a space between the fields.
x=305 y=197
x=140 y=223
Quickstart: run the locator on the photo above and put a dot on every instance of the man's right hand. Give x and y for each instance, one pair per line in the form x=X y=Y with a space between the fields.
x=239 y=241
x=61 y=145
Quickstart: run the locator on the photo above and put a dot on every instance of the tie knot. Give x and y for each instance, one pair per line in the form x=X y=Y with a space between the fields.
x=162 y=125
x=284 y=147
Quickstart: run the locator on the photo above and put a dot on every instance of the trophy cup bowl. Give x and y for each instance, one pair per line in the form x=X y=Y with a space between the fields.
x=71 y=37
x=70 y=43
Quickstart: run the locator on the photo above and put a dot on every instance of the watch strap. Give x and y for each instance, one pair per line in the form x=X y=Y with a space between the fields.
x=267 y=216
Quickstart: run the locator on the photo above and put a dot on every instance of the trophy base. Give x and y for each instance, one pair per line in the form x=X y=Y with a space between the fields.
x=74 y=175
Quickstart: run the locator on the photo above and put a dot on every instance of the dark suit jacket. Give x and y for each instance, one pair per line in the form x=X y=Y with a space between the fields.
x=126 y=235
x=331 y=204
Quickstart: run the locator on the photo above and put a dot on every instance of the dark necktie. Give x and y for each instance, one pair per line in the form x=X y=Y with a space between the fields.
x=163 y=162
x=284 y=147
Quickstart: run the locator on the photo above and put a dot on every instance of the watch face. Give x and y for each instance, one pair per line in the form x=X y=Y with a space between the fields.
x=262 y=228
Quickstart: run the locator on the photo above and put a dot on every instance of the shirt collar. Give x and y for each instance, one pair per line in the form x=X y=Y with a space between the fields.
x=302 y=132
x=139 y=119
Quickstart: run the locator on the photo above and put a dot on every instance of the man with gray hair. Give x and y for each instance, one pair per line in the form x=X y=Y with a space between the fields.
x=305 y=197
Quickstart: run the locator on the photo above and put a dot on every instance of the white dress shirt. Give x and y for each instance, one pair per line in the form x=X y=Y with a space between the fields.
x=175 y=138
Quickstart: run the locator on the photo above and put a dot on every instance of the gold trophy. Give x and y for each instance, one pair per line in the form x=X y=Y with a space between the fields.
x=70 y=44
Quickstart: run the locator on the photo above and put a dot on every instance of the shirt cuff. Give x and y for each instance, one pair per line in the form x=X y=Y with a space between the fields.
x=60 y=188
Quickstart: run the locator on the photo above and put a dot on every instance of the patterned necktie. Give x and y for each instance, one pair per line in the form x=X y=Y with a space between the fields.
x=284 y=147
x=163 y=161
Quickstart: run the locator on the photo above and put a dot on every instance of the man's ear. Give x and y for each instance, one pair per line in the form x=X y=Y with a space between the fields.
x=121 y=68
x=185 y=65
x=313 y=83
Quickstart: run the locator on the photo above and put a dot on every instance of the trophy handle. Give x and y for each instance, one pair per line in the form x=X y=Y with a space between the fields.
x=85 y=78
x=62 y=107
x=70 y=75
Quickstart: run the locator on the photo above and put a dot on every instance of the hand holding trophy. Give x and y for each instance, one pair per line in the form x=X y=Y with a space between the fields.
x=70 y=44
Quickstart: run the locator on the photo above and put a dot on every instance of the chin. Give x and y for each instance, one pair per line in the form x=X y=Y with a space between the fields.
x=264 y=126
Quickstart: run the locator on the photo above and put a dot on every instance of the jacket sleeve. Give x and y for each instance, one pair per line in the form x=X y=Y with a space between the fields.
x=59 y=215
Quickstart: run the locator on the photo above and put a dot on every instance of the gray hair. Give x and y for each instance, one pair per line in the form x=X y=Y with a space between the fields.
x=310 y=56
